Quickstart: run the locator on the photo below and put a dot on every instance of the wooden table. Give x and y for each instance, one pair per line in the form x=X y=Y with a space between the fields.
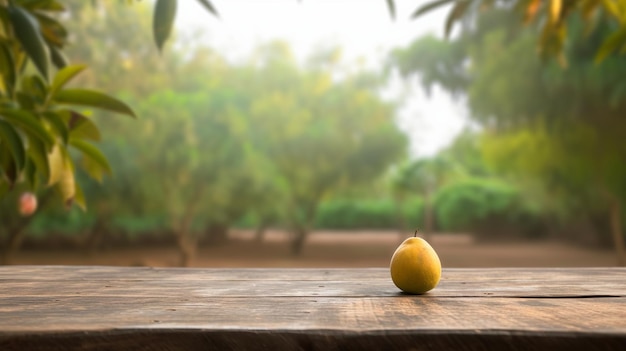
x=99 y=308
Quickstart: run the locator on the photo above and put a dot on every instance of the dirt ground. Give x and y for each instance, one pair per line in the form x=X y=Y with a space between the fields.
x=337 y=249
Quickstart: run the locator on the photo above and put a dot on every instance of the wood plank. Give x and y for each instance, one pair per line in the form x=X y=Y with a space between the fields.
x=202 y=340
x=80 y=281
x=401 y=313
x=344 y=274
x=239 y=288
x=85 y=308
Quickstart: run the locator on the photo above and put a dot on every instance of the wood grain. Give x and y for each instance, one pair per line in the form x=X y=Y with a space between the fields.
x=89 y=308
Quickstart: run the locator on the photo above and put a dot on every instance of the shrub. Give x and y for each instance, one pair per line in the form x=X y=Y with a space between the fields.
x=467 y=204
x=367 y=214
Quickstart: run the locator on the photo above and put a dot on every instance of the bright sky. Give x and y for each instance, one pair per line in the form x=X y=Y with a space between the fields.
x=362 y=28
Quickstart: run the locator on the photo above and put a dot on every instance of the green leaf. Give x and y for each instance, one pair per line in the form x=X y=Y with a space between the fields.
x=164 y=14
x=97 y=162
x=64 y=76
x=611 y=44
x=209 y=7
x=35 y=87
x=46 y=5
x=79 y=198
x=53 y=32
x=58 y=124
x=58 y=58
x=79 y=126
x=587 y=10
x=551 y=42
x=85 y=128
x=29 y=123
x=39 y=155
x=4 y=187
x=30 y=173
x=66 y=184
x=13 y=141
x=92 y=98
x=456 y=14
x=588 y=7
x=391 y=5
x=56 y=165
x=28 y=33
x=7 y=165
x=26 y=101
x=613 y=8
x=7 y=68
x=430 y=7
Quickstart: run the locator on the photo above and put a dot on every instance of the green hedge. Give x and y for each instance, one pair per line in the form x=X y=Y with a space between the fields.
x=69 y=223
x=466 y=204
x=489 y=208
x=334 y=214
x=370 y=214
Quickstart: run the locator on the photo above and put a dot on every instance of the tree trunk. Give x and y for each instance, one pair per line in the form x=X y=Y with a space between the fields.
x=17 y=231
x=302 y=231
x=216 y=233
x=297 y=244
x=259 y=234
x=95 y=237
x=186 y=248
x=16 y=236
x=616 y=231
x=185 y=242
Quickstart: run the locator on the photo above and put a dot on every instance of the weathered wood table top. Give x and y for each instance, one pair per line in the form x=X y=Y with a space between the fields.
x=99 y=308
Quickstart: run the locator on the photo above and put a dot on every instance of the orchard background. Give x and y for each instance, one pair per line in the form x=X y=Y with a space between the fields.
x=275 y=144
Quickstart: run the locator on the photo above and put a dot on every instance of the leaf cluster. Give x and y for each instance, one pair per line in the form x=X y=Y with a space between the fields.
x=549 y=15
x=41 y=119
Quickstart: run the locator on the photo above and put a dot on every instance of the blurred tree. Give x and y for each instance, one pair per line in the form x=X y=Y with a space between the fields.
x=37 y=128
x=40 y=122
x=198 y=158
x=36 y=131
x=582 y=173
x=320 y=135
x=466 y=153
x=267 y=137
x=33 y=39
x=550 y=16
x=134 y=55
x=473 y=204
x=579 y=109
x=141 y=72
x=425 y=176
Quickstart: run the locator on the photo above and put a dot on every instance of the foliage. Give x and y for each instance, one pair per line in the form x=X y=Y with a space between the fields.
x=578 y=109
x=466 y=152
x=442 y=60
x=370 y=214
x=266 y=139
x=465 y=204
x=320 y=135
x=578 y=170
x=549 y=15
x=561 y=126
x=337 y=213
x=40 y=122
x=424 y=176
x=72 y=223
